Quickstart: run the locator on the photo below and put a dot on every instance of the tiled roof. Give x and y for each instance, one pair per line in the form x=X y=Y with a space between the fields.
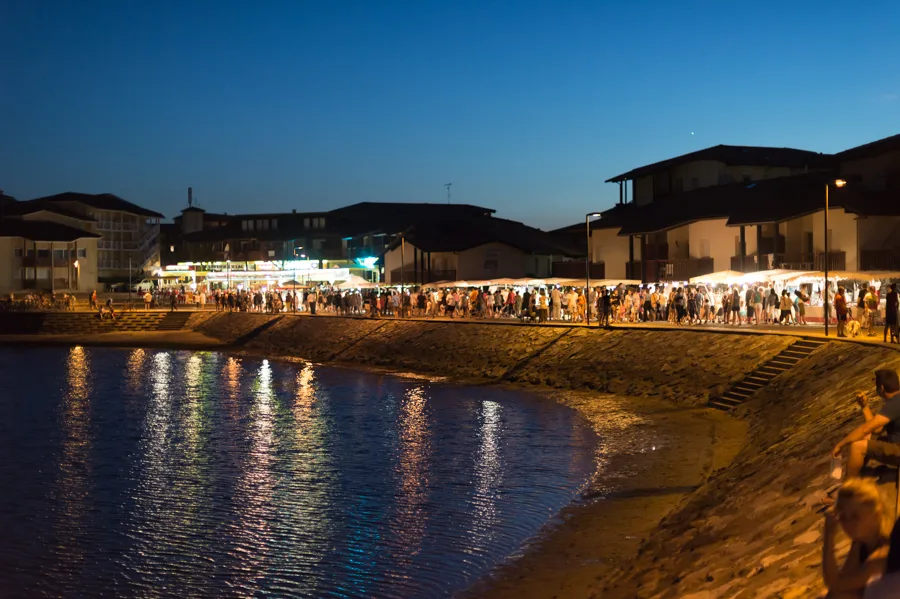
x=101 y=201
x=733 y=156
x=41 y=230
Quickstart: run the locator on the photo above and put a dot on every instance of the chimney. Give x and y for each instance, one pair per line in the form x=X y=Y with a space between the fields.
x=294 y=211
x=190 y=197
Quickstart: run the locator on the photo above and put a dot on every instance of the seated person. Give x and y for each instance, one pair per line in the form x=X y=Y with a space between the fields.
x=863 y=517
x=888 y=586
x=885 y=449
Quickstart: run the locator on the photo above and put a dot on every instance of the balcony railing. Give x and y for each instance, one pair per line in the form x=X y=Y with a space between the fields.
x=879 y=260
x=837 y=260
x=751 y=263
x=651 y=271
x=575 y=269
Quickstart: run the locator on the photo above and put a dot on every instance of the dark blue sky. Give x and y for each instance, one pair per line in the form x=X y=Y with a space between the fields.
x=525 y=107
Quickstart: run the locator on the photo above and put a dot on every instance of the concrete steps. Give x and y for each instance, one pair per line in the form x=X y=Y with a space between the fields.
x=174 y=321
x=762 y=376
x=81 y=323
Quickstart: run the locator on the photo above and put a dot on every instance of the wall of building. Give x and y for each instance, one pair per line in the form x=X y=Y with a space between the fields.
x=842 y=229
x=441 y=262
x=679 y=243
x=65 y=276
x=609 y=247
x=875 y=171
x=877 y=233
x=796 y=235
x=713 y=239
x=642 y=190
x=498 y=260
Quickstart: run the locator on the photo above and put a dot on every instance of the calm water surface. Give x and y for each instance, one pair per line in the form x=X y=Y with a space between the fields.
x=180 y=474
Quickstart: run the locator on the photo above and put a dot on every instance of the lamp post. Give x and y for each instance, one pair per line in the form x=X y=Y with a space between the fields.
x=227 y=275
x=296 y=250
x=837 y=183
x=587 y=264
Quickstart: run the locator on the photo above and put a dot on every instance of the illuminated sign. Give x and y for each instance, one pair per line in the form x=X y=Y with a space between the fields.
x=367 y=262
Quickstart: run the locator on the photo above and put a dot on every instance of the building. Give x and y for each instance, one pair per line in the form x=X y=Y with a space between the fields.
x=43 y=255
x=353 y=237
x=479 y=248
x=128 y=241
x=750 y=209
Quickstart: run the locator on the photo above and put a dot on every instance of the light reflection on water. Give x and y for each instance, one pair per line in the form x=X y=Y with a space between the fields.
x=172 y=474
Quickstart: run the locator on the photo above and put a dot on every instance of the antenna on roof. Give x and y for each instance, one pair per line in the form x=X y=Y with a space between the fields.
x=447 y=185
x=190 y=197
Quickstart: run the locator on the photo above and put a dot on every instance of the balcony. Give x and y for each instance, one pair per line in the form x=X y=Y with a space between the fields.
x=879 y=260
x=574 y=269
x=837 y=260
x=651 y=271
x=751 y=263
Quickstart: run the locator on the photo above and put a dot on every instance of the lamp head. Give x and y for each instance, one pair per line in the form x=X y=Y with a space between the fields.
x=595 y=214
x=840 y=182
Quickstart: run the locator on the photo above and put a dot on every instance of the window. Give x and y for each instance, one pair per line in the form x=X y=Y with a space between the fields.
x=43 y=253
x=243 y=225
x=315 y=223
x=18 y=253
x=321 y=223
x=317 y=244
x=59 y=255
x=82 y=252
x=305 y=223
x=274 y=223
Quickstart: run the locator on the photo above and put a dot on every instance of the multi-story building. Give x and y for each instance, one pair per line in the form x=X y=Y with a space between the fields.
x=44 y=255
x=128 y=241
x=354 y=236
x=750 y=209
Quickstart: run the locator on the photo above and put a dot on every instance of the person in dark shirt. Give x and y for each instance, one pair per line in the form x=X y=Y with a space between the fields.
x=891 y=316
x=886 y=448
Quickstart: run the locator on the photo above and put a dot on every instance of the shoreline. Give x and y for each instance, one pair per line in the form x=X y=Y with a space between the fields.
x=713 y=527
x=624 y=500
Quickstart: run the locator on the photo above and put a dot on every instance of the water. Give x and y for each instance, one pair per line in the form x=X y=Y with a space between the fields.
x=180 y=474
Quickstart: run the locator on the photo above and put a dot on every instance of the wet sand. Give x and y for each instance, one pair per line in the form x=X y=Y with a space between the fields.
x=651 y=456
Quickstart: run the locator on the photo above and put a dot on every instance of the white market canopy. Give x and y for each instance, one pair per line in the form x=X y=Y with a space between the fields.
x=727 y=277
x=355 y=282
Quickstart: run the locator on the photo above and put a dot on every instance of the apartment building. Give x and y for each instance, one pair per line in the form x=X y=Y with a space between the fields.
x=128 y=241
x=753 y=208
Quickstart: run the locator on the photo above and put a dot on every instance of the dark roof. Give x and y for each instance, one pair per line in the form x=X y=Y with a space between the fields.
x=463 y=234
x=882 y=146
x=23 y=208
x=733 y=156
x=5 y=199
x=100 y=201
x=41 y=230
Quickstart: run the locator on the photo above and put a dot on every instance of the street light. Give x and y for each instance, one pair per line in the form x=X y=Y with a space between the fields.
x=587 y=264
x=837 y=183
x=296 y=249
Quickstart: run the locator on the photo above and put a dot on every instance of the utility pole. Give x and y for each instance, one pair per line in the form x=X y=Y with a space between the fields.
x=447 y=185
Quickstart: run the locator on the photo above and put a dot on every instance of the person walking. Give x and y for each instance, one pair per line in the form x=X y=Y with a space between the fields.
x=840 y=309
x=891 y=315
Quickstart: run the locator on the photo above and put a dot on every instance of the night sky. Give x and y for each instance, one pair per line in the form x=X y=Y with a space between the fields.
x=525 y=107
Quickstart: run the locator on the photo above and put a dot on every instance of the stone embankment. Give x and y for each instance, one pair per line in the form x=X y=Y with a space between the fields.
x=750 y=531
x=683 y=367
